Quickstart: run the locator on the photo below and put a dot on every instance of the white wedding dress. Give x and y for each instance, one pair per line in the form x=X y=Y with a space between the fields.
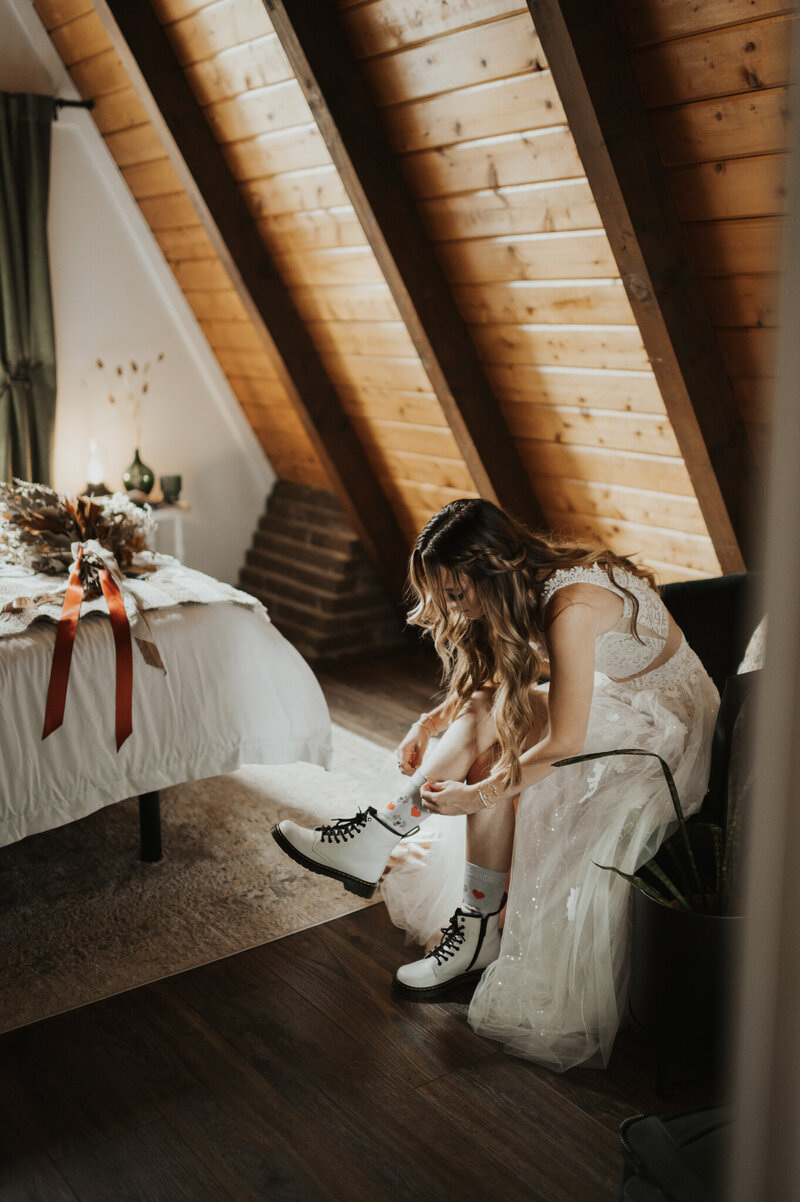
x=558 y=990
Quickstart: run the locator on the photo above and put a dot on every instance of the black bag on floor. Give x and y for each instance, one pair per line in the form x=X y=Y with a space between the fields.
x=674 y=1157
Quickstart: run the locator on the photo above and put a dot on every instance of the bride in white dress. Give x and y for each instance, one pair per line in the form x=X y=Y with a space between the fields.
x=505 y=606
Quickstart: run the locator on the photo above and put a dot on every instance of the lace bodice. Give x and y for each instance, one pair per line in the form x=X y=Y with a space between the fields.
x=618 y=653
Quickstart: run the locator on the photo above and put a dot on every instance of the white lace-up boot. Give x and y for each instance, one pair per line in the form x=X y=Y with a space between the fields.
x=351 y=850
x=469 y=945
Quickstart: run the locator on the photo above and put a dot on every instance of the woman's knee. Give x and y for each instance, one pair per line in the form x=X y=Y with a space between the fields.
x=477 y=709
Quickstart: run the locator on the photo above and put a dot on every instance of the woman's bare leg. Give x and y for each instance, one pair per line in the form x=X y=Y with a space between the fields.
x=490 y=832
x=471 y=735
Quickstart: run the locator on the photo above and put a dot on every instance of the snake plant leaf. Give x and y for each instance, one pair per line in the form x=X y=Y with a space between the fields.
x=638 y=883
x=673 y=792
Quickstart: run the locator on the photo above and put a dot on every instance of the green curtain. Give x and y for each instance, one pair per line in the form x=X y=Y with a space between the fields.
x=27 y=335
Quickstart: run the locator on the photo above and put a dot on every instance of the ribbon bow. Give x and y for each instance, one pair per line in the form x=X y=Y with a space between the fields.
x=92 y=562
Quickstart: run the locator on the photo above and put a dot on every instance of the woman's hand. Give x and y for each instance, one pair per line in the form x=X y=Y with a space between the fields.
x=411 y=750
x=450 y=797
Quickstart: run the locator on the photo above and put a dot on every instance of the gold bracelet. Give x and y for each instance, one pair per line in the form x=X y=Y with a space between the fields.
x=487 y=805
x=423 y=718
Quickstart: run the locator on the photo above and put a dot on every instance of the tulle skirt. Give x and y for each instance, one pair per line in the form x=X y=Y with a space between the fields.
x=558 y=990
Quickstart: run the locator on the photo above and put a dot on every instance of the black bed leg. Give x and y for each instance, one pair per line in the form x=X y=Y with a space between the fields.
x=150 y=826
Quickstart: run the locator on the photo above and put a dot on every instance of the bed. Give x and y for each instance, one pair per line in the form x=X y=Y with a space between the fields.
x=235 y=692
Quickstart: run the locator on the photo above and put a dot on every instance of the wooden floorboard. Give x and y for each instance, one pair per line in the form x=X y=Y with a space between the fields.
x=292 y=1072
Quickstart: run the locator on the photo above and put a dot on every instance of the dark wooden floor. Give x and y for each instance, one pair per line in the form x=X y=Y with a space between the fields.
x=291 y=1072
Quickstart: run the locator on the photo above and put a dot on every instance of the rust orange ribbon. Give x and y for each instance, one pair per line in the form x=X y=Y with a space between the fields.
x=62 y=653
x=124 y=648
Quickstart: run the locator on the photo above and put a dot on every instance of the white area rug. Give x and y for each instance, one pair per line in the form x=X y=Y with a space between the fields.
x=81 y=917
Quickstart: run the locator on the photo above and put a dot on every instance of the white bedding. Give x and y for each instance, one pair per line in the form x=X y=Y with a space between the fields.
x=236 y=692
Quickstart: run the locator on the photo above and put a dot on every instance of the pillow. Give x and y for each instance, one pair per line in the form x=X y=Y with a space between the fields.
x=756 y=649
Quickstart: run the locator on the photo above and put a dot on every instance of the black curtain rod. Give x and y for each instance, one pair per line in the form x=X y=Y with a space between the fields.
x=73 y=104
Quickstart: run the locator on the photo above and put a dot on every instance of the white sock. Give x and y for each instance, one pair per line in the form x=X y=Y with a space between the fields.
x=483 y=889
x=405 y=811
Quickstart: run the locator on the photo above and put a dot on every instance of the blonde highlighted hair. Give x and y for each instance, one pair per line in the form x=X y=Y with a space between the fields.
x=483 y=548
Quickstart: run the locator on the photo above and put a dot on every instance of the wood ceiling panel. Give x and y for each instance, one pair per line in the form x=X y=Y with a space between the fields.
x=500 y=107
x=746 y=300
x=650 y=433
x=518 y=301
x=137 y=144
x=552 y=256
x=544 y=154
x=55 y=13
x=639 y=505
x=214 y=28
x=735 y=247
x=118 y=111
x=721 y=63
x=478 y=55
x=345 y=302
x=524 y=209
x=99 y=75
x=631 y=391
x=644 y=543
x=287 y=150
x=596 y=346
x=603 y=466
x=279 y=106
x=81 y=38
x=296 y=191
x=319 y=229
x=255 y=64
x=752 y=123
x=222 y=305
x=183 y=242
x=392 y=405
x=646 y=21
x=388 y=25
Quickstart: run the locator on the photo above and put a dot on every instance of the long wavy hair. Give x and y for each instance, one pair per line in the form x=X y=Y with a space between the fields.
x=481 y=546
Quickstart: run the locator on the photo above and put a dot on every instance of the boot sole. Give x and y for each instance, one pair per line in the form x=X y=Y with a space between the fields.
x=351 y=883
x=432 y=991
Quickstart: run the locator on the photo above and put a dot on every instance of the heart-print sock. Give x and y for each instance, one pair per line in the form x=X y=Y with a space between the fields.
x=405 y=810
x=483 y=889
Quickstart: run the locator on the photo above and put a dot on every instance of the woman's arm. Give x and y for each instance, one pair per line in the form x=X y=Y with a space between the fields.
x=412 y=747
x=571 y=641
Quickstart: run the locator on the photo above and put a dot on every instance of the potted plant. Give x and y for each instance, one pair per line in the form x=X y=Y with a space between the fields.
x=685 y=898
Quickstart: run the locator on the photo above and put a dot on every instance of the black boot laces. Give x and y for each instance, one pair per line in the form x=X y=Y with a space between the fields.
x=454 y=936
x=343 y=829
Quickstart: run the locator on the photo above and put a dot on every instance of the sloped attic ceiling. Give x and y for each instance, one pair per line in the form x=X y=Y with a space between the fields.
x=403 y=271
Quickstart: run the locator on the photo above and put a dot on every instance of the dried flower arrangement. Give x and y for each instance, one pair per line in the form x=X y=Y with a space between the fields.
x=38 y=527
x=129 y=383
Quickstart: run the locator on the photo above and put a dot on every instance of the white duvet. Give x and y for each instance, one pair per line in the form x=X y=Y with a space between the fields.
x=235 y=692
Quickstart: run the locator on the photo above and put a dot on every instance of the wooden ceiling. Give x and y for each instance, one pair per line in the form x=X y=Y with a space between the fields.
x=472 y=247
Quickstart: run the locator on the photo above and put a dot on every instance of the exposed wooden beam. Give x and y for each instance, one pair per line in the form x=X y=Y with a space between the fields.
x=160 y=84
x=316 y=46
x=592 y=72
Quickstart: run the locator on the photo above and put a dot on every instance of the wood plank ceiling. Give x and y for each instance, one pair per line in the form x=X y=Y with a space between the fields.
x=472 y=115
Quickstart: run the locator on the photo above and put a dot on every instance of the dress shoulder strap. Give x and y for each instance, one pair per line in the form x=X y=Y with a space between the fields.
x=596 y=574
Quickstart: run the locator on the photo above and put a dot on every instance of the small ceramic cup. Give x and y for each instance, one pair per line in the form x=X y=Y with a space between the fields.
x=171 y=488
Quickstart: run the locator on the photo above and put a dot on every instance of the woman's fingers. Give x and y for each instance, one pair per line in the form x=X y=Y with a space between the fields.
x=428 y=793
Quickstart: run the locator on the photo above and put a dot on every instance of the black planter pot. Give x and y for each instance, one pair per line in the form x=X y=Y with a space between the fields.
x=680 y=975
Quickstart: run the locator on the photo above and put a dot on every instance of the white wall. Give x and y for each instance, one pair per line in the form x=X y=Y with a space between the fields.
x=115 y=298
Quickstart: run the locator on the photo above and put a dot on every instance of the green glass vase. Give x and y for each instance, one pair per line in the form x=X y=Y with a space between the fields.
x=138 y=476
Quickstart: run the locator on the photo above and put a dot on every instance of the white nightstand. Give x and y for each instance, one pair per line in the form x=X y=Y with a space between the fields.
x=168 y=534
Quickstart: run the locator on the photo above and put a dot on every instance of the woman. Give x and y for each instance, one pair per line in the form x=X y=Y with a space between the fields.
x=500 y=603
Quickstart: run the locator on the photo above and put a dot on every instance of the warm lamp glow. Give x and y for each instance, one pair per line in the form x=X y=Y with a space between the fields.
x=95 y=470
